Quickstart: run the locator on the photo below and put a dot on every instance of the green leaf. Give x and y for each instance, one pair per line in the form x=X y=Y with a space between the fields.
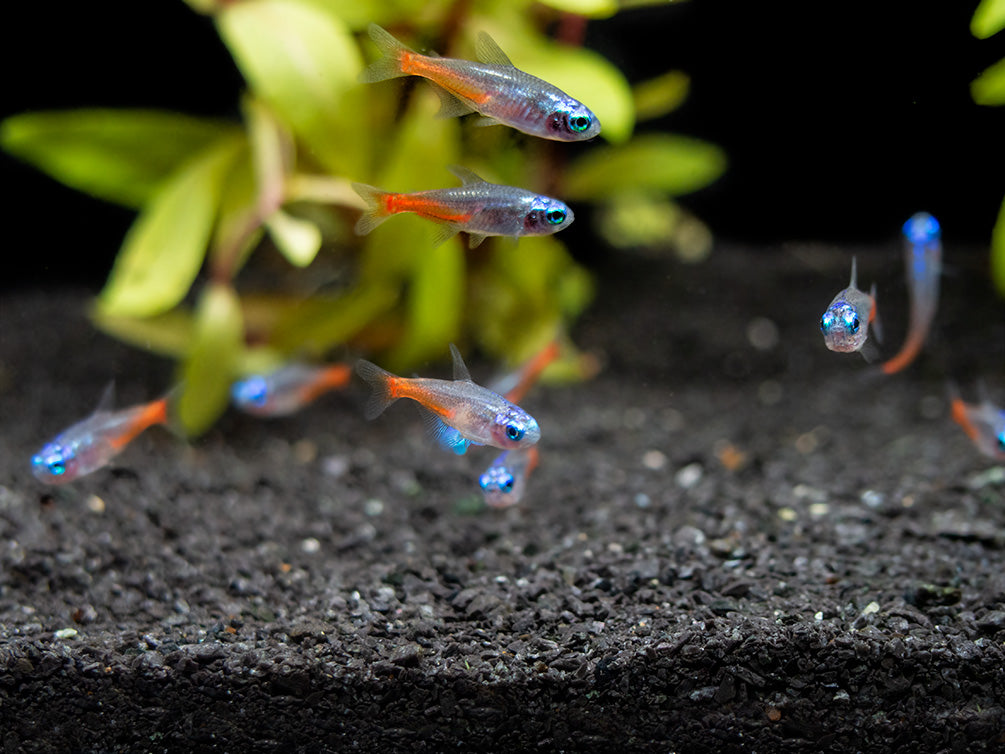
x=998 y=252
x=989 y=87
x=118 y=155
x=304 y=63
x=298 y=240
x=590 y=8
x=164 y=248
x=657 y=97
x=212 y=360
x=666 y=163
x=168 y=334
x=988 y=19
x=318 y=324
x=435 y=305
x=271 y=151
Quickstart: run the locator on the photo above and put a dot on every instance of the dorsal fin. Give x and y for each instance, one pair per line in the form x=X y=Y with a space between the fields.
x=466 y=175
x=460 y=370
x=854 y=274
x=487 y=51
x=107 y=402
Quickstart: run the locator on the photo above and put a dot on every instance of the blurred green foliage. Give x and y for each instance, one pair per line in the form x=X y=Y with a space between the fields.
x=209 y=193
x=989 y=89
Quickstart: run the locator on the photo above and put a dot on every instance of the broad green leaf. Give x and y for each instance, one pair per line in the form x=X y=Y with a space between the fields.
x=118 y=155
x=989 y=87
x=657 y=97
x=988 y=19
x=168 y=334
x=212 y=360
x=435 y=305
x=238 y=228
x=304 y=63
x=591 y=8
x=298 y=240
x=164 y=248
x=998 y=252
x=318 y=324
x=666 y=163
x=271 y=152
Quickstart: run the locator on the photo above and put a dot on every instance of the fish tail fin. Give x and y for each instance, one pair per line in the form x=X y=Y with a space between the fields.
x=380 y=381
x=389 y=66
x=377 y=210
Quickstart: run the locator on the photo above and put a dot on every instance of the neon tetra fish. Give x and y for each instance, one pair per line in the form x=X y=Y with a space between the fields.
x=845 y=323
x=90 y=444
x=288 y=389
x=513 y=387
x=503 y=482
x=923 y=260
x=480 y=415
x=493 y=87
x=477 y=207
x=983 y=422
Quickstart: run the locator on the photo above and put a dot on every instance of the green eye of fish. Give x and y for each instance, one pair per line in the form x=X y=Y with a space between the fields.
x=57 y=467
x=579 y=123
x=851 y=322
x=555 y=216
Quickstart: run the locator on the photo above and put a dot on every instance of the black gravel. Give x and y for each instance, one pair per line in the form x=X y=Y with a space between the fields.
x=726 y=547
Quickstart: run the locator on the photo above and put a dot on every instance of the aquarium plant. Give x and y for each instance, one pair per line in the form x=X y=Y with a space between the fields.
x=210 y=193
x=989 y=89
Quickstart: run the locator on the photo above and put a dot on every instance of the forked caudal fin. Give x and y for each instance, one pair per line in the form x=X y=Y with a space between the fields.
x=389 y=66
x=380 y=382
x=376 y=210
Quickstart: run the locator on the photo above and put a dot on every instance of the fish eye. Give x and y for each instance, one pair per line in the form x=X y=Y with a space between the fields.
x=851 y=322
x=579 y=123
x=555 y=216
x=485 y=481
x=507 y=483
x=826 y=322
x=514 y=433
x=57 y=468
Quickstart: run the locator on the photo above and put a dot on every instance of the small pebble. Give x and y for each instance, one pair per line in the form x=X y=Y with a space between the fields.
x=787 y=514
x=654 y=459
x=310 y=545
x=642 y=500
x=95 y=504
x=304 y=452
x=335 y=466
x=872 y=498
x=872 y=607
x=373 y=507
x=762 y=333
x=688 y=476
x=65 y=633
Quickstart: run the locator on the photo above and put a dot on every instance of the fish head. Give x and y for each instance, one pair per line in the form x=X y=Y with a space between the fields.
x=545 y=216
x=251 y=393
x=843 y=329
x=572 y=121
x=54 y=464
x=922 y=228
x=497 y=479
x=515 y=428
x=501 y=487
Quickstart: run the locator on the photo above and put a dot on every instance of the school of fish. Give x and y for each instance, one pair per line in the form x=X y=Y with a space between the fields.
x=459 y=413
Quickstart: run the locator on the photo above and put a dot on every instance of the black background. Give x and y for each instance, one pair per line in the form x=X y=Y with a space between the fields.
x=839 y=119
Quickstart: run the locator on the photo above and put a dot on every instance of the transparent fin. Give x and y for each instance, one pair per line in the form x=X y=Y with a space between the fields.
x=450 y=105
x=445 y=233
x=487 y=51
x=475 y=240
x=442 y=433
x=374 y=214
x=485 y=121
x=460 y=368
x=466 y=175
x=107 y=401
x=389 y=66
